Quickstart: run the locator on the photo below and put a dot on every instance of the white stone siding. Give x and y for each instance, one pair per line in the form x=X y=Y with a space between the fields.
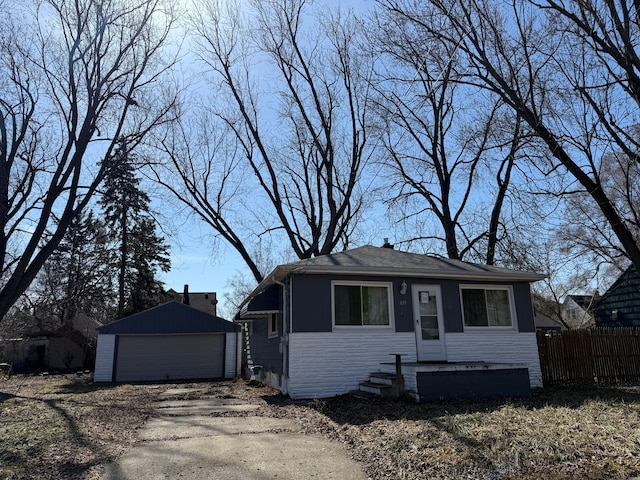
x=272 y=379
x=105 y=351
x=230 y=361
x=499 y=347
x=327 y=364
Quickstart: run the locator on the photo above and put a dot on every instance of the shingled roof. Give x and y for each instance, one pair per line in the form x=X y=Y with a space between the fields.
x=379 y=261
x=372 y=260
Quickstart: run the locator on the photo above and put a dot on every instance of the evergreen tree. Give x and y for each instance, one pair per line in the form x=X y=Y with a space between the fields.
x=75 y=279
x=138 y=250
x=83 y=258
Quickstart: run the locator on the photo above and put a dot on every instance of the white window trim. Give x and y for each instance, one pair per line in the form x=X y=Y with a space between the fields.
x=387 y=285
x=272 y=333
x=491 y=328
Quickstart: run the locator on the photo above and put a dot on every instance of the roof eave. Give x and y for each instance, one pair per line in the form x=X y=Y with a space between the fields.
x=516 y=276
x=281 y=272
x=273 y=278
x=255 y=314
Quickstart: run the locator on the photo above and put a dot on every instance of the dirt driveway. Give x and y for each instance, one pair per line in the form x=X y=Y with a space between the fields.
x=209 y=437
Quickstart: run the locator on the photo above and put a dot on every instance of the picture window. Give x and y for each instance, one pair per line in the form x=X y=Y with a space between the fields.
x=487 y=306
x=361 y=304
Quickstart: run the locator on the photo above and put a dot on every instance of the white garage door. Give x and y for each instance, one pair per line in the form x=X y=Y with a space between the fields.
x=169 y=357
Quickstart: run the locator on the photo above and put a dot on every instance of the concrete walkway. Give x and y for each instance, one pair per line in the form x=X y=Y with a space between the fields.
x=190 y=440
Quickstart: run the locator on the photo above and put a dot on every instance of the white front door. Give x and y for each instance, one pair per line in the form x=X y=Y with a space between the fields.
x=429 y=322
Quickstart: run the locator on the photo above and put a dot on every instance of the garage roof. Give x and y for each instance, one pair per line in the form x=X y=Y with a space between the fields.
x=172 y=317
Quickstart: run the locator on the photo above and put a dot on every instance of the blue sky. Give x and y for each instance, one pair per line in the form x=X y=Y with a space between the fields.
x=196 y=259
x=196 y=265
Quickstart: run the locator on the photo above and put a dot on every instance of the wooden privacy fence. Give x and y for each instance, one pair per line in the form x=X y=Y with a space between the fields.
x=590 y=356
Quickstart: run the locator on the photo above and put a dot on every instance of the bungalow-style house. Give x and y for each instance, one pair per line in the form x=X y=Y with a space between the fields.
x=320 y=327
x=620 y=305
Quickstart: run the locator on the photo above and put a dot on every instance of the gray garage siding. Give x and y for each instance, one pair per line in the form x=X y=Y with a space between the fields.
x=169 y=357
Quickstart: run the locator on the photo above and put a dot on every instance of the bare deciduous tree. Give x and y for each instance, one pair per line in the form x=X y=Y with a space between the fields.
x=292 y=109
x=569 y=70
x=587 y=232
x=75 y=77
x=452 y=146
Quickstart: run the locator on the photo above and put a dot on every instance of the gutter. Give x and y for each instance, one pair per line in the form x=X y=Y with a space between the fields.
x=417 y=273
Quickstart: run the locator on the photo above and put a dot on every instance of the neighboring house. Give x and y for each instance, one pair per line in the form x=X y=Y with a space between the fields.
x=544 y=323
x=319 y=327
x=68 y=347
x=577 y=310
x=620 y=305
x=203 y=301
x=172 y=341
x=546 y=314
x=35 y=354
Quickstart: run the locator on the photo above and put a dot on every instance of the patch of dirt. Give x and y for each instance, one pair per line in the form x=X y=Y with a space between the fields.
x=65 y=426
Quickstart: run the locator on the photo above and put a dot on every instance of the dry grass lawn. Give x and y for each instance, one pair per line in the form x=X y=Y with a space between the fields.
x=559 y=434
x=67 y=427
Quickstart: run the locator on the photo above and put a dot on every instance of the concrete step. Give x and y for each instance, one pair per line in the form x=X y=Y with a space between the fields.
x=382 y=378
x=362 y=394
x=376 y=388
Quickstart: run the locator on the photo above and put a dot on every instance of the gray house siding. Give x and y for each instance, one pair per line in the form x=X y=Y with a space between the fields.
x=316 y=290
x=265 y=351
x=402 y=308
x=524 y=307
x=310 y=290
x=452 y=307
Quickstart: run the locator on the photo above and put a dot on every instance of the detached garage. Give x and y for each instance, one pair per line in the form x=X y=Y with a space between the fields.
x=169 y=342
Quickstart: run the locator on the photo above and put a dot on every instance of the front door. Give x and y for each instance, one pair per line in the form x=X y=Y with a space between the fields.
x=429 y=322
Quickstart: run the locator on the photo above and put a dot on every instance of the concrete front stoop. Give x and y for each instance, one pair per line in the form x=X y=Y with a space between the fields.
x=386 y=385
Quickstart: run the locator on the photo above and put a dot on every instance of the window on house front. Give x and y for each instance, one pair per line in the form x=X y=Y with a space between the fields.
x=272 y=328
x=486 y=306
x=361 y=304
